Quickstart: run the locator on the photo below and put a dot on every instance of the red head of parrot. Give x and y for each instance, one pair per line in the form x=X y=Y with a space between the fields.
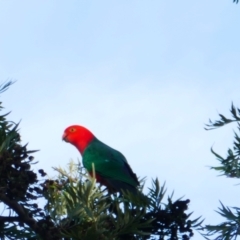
x=78 y=136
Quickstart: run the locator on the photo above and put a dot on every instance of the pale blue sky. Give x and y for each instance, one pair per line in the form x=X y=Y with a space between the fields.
x=144 y=76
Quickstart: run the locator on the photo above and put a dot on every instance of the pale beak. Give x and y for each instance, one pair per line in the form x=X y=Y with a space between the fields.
x=64 y=137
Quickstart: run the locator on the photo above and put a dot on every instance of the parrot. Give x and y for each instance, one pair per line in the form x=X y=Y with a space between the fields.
x=111 y=167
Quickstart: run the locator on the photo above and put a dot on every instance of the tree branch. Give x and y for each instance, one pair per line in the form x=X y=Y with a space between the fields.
x=22 y=213
x=24 y=217
x=10 y=219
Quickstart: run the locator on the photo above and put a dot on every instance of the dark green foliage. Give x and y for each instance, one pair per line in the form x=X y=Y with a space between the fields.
x=22 y=218
x=224 y=120
x=227 y=230
x=230 y=167
x=89 y=212
x=74 y=206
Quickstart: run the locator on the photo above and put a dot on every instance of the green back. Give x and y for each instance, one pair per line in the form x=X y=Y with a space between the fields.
x=109 y=163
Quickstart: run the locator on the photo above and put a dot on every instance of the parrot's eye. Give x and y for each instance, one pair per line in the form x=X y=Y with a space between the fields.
x=72 y=130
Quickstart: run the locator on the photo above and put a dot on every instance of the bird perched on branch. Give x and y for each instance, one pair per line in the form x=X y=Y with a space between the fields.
x=111 y=167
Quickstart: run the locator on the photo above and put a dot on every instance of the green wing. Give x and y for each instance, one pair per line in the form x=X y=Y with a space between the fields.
x=109 y=163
